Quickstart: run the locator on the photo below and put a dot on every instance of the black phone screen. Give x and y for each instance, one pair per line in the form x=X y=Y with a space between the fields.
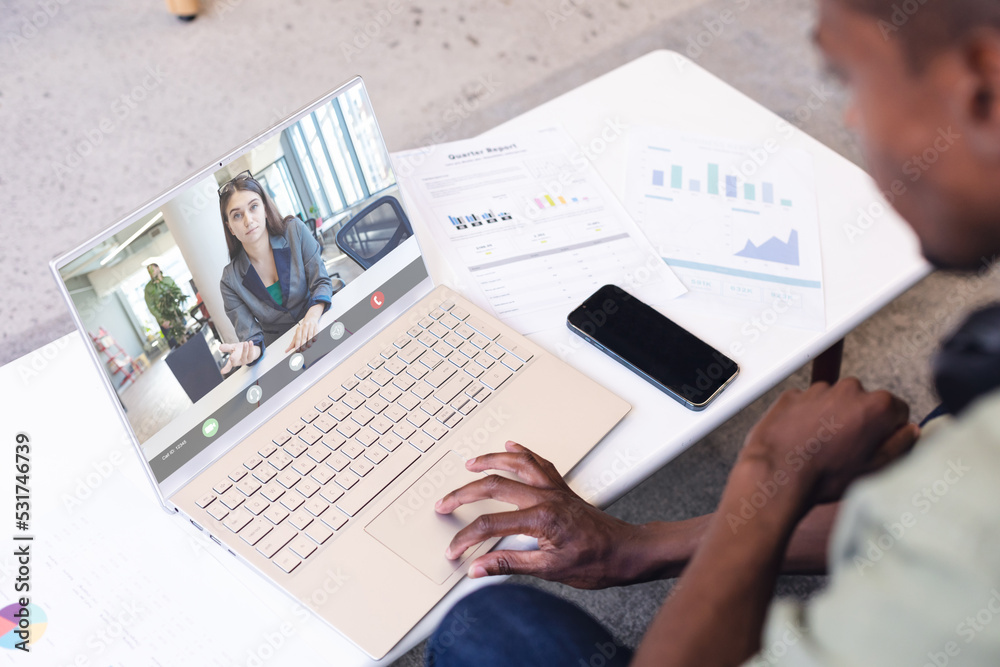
x=661 y=350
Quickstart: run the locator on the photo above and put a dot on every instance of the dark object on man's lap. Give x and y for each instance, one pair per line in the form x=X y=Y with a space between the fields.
x=968 y=364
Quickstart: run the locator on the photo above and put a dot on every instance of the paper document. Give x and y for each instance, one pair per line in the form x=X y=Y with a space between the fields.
x=529 y=227
x=738 y=223
x=98 y=583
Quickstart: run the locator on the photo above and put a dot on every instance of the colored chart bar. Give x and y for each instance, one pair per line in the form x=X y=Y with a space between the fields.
x=749 y=192
x=657 y=177
x=730 y=186
x=676 y=177
x=768 y=193
x=786 y=202
x=713 y=179
x=549 y=201
x=694 y=185
x=473 y=220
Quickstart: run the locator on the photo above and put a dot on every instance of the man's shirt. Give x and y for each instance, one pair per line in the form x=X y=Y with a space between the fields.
x=914 y=562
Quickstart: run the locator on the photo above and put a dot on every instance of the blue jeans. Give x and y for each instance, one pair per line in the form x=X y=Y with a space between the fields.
x=508 y=625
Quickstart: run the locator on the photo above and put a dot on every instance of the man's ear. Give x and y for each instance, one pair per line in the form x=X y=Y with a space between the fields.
x=980 y=92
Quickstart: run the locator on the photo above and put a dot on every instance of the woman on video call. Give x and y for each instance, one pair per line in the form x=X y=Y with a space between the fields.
x=275 y=279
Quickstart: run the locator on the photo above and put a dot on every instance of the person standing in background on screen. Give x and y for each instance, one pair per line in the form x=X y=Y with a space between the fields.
x=163 y=298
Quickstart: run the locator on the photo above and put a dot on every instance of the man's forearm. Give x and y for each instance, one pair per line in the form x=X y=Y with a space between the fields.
x=808 y=548
x=729 y=582
x=664 y=548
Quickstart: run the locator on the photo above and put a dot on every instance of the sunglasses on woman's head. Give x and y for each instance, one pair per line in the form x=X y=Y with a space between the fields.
x=242 y=177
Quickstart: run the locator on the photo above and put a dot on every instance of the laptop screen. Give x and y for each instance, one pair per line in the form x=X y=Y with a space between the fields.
x=195 y=305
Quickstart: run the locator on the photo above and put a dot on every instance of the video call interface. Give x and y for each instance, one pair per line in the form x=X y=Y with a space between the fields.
x=167 y=301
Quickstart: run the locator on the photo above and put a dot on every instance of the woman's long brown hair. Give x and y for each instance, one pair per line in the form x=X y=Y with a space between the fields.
x=275 y=224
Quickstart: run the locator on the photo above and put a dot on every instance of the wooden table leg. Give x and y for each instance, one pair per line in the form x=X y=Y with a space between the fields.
x=826 y=367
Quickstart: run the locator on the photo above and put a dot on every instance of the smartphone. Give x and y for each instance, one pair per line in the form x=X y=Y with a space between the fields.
x=674 y=360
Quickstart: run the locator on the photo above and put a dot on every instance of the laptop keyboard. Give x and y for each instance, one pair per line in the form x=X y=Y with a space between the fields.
x=297 y=492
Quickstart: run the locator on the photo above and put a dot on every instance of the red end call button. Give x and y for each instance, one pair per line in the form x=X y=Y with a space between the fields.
x=378 y=300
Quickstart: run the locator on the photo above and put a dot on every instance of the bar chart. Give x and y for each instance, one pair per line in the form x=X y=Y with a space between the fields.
x=530 y=234
x=742 y=233
x=728 y=187
x=545 y=201
x=473 y=220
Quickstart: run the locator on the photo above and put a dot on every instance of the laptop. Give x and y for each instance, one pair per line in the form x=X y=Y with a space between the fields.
x=317 y=466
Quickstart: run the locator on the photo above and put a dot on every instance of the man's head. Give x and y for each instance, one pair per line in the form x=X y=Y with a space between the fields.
x=924 y=76
x=154 y=271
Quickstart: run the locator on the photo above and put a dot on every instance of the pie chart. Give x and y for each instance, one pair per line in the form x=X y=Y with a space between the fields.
x=8 y=625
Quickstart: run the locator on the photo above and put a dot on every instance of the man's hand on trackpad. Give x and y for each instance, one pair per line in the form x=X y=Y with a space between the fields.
x=578 y=544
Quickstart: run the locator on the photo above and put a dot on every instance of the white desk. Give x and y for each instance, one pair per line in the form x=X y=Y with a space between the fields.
x=862 y=272
x=54 y=395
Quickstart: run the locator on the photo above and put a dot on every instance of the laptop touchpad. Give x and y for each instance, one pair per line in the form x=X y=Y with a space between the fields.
x=414 y=531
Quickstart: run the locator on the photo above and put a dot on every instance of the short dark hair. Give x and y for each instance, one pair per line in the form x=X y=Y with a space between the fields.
x=926 y=27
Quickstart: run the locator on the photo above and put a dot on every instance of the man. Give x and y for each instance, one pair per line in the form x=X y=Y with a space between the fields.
x=914 y=554
x=163 y=298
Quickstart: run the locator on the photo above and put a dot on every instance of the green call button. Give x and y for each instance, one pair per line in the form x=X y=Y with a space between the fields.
x=210 y=428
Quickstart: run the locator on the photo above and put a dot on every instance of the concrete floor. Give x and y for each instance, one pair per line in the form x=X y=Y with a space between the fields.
x=207 y=85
